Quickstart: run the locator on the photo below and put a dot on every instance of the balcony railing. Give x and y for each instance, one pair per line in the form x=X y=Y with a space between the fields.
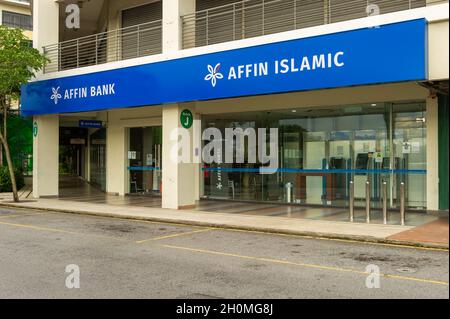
x=251 y=18
x=126 y=43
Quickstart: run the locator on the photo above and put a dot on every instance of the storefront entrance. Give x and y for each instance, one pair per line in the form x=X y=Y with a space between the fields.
x=320 y=150
x=72 y=151
x=144 y=160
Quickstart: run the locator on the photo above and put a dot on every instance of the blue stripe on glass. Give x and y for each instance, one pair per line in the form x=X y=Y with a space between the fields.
x=143 y=168
x=297 y=170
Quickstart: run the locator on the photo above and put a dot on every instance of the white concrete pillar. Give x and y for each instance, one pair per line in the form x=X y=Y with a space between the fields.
x=197 y=140
x=45 y=155
x=115 y=158
x=432 y=154
x=179 y=179
x=45 y=23
x=171 y=23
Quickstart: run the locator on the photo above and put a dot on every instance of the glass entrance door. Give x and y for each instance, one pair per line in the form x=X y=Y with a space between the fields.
x=144 y=160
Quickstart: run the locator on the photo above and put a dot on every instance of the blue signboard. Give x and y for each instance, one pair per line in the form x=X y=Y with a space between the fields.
x=90 y=124
x=389 y=53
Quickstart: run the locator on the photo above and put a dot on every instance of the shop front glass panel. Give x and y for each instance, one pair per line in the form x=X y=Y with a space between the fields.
x=321 y=150
x=409 y=144
x=144 y=159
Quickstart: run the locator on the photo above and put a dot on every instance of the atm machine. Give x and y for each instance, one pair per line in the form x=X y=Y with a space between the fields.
x=361 y=163
x=339 y=155
x=340 y=179
x=364 y=147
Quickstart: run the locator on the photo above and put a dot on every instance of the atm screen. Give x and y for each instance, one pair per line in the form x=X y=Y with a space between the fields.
x=337 y=163
x=361 y=160
x=386 y=163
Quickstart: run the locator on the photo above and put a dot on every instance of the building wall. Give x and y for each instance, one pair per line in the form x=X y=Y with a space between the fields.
x=438 y=50
x=8 y=6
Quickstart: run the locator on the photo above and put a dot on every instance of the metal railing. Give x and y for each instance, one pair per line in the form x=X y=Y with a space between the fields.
x=121 y=44
x=251 y=18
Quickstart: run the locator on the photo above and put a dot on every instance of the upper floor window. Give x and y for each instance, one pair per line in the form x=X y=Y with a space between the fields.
x=17 y=20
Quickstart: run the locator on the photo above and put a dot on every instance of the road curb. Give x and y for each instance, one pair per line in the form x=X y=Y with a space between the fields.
x=268 y=230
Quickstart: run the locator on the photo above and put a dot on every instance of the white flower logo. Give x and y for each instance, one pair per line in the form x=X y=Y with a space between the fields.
x=55 y=96
x=214 y=74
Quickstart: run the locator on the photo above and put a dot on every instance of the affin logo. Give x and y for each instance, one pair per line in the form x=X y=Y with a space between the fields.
x=55 y=96
x=213 y=74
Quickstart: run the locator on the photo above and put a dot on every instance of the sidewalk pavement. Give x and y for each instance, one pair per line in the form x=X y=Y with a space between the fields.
x=432 y=235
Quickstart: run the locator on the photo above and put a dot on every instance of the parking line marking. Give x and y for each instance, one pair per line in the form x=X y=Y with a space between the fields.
x=393 y=245
x=291 y=263
x=337 y=239
x=174 y=235
x=12 y=215
x=123 y=219
x=58 y=230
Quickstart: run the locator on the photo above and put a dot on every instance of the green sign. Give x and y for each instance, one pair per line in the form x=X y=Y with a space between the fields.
x=186 y=118
x=35 y=128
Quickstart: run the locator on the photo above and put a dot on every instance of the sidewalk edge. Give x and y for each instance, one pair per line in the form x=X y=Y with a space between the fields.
x=268 y=230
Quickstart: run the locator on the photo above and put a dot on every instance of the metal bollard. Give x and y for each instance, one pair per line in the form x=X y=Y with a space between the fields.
x=352 y=201
x=367 y=202
x=289 y=187
x=402 y=203
x=384 y=190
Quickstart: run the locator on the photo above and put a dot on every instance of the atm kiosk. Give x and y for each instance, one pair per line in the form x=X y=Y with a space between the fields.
x=339 y=179
x=360 y=178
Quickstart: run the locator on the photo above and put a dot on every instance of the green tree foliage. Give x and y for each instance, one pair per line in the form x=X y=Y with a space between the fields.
x=5 y=179
x=19 y=62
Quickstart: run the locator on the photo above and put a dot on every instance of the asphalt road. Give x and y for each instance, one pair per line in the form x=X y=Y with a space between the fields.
x=120 y=258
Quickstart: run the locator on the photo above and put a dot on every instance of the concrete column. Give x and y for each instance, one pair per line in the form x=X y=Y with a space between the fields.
x=197 y=140
x=45 y=23
x=179 y=186
x=171 y=23
x=45 y=155
x=115 y=158
x=432 y=154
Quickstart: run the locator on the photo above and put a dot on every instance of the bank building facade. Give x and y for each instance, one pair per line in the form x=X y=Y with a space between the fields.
x=356 y=98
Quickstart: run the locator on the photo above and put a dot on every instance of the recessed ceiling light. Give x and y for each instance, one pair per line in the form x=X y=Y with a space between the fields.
x=373 y=104
x=293 y=111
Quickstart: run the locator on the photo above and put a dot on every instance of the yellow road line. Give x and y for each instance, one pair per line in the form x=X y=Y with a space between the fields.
x=291 y=263
x=174 y=235
x=336 y=239
x=20 y=215
x=12 y=215
x=94 y=215
x=267 y=233
x=253 y=231
x=56 y=230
